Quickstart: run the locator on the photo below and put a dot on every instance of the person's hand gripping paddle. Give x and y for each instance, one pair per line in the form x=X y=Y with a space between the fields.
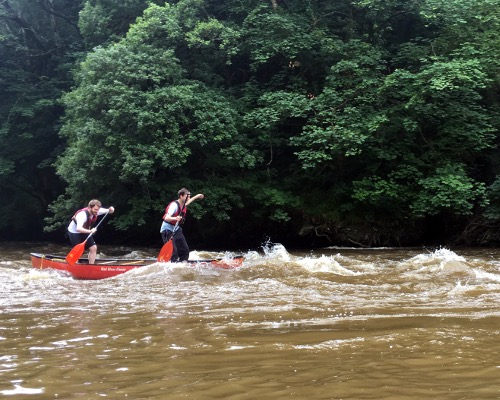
x=77 y=251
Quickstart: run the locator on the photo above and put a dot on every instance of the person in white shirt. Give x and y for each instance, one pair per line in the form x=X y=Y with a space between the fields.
x=81 y=226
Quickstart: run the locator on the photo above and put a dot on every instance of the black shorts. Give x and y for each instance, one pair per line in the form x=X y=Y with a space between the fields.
x=76 y=238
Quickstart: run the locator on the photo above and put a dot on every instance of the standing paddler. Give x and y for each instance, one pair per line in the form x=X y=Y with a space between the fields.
x=174 y=216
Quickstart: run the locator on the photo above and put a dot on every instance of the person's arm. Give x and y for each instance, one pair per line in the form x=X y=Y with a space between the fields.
x=191 y=199
x=103 y=210
x=172 y=208
x=81 y=218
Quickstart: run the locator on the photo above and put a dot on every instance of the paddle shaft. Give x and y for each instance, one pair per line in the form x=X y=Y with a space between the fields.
x=97 y=226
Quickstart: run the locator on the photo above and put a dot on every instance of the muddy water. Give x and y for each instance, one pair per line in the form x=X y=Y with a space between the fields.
x=333 y=324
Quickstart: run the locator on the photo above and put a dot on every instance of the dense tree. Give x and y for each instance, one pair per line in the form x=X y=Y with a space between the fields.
x=150 y=114
x=37 y=44
x=107 y=21
x=356 y=120
x=398 y=126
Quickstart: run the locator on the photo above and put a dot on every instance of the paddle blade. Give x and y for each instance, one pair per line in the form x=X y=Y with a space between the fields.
x=75 y=254
x=166 y=252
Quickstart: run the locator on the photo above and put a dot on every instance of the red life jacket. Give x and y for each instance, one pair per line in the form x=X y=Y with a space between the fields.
x=177 y=212
x=91 y=218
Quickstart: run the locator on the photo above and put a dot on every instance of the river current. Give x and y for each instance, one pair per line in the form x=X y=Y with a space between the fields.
x=336 y=323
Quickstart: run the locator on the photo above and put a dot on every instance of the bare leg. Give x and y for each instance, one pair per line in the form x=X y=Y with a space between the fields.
x=92 y=254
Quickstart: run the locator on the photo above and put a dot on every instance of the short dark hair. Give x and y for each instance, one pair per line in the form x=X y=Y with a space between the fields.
x=182 y=192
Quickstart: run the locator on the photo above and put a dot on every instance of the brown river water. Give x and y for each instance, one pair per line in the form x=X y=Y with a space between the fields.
x=330 y=324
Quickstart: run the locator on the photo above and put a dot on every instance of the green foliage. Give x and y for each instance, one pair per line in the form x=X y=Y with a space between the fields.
x=106 y=21
x=269 y=35
x=276 y=202
x=347 y=112
x=37 y=41
x=448 y=189
x=140 y=121
x=445 y=189
x=493 y=191
x=408 y=119
x=385 y=111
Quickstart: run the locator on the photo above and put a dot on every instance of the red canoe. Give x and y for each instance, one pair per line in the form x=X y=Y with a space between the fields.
x=108 y=267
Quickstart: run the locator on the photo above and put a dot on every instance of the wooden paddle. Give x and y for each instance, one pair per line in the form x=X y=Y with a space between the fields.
x=77 y=251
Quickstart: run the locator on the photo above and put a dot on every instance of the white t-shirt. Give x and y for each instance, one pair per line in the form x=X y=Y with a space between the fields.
x=171 y=210
x=81 y=218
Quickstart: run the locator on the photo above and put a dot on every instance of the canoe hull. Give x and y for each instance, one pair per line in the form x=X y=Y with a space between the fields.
x=107 y=268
